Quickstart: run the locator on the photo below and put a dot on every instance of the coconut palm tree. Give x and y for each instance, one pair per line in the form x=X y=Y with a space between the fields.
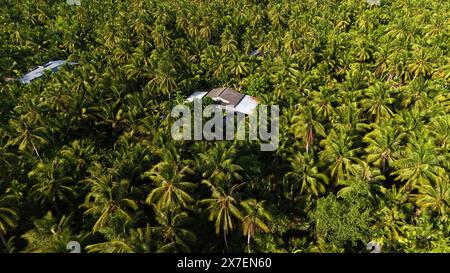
x=306 y=126
x=305 y=174
x=339 y=152
x=362 y=176
x=435 y=197
x=170 y=188
x=108 y=198
x=377 y=102
x=420 y=162
x=439 y=127
x=418 y=94
x=28 y=137
x=253 y=219
x=384 y=144
x=51 y=185
x=222 y=209
x=172 y=232
x=217 y=164
x=420 y=65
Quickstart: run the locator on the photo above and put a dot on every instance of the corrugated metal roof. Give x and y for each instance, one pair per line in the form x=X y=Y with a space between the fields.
x=196 y=95
x=246 y=105
x=231 y=97
x=39 y=71
x=214 y=93
x=227 y=96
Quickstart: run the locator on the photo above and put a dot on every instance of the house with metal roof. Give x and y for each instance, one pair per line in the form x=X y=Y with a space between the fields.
x=39 y=71
x=225 y=96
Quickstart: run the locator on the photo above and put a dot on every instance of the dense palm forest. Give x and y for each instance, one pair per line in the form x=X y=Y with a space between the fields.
x=86 y=153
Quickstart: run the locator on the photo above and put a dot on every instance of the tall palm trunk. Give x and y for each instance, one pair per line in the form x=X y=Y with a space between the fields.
x=248 y=242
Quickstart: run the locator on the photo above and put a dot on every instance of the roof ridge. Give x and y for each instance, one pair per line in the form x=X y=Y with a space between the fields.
x=223 y=90
x=239 y=101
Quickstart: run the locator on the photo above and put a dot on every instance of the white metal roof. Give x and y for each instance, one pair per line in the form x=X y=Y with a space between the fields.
x=196 y=95
x=246 y=105
x=52 y=66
